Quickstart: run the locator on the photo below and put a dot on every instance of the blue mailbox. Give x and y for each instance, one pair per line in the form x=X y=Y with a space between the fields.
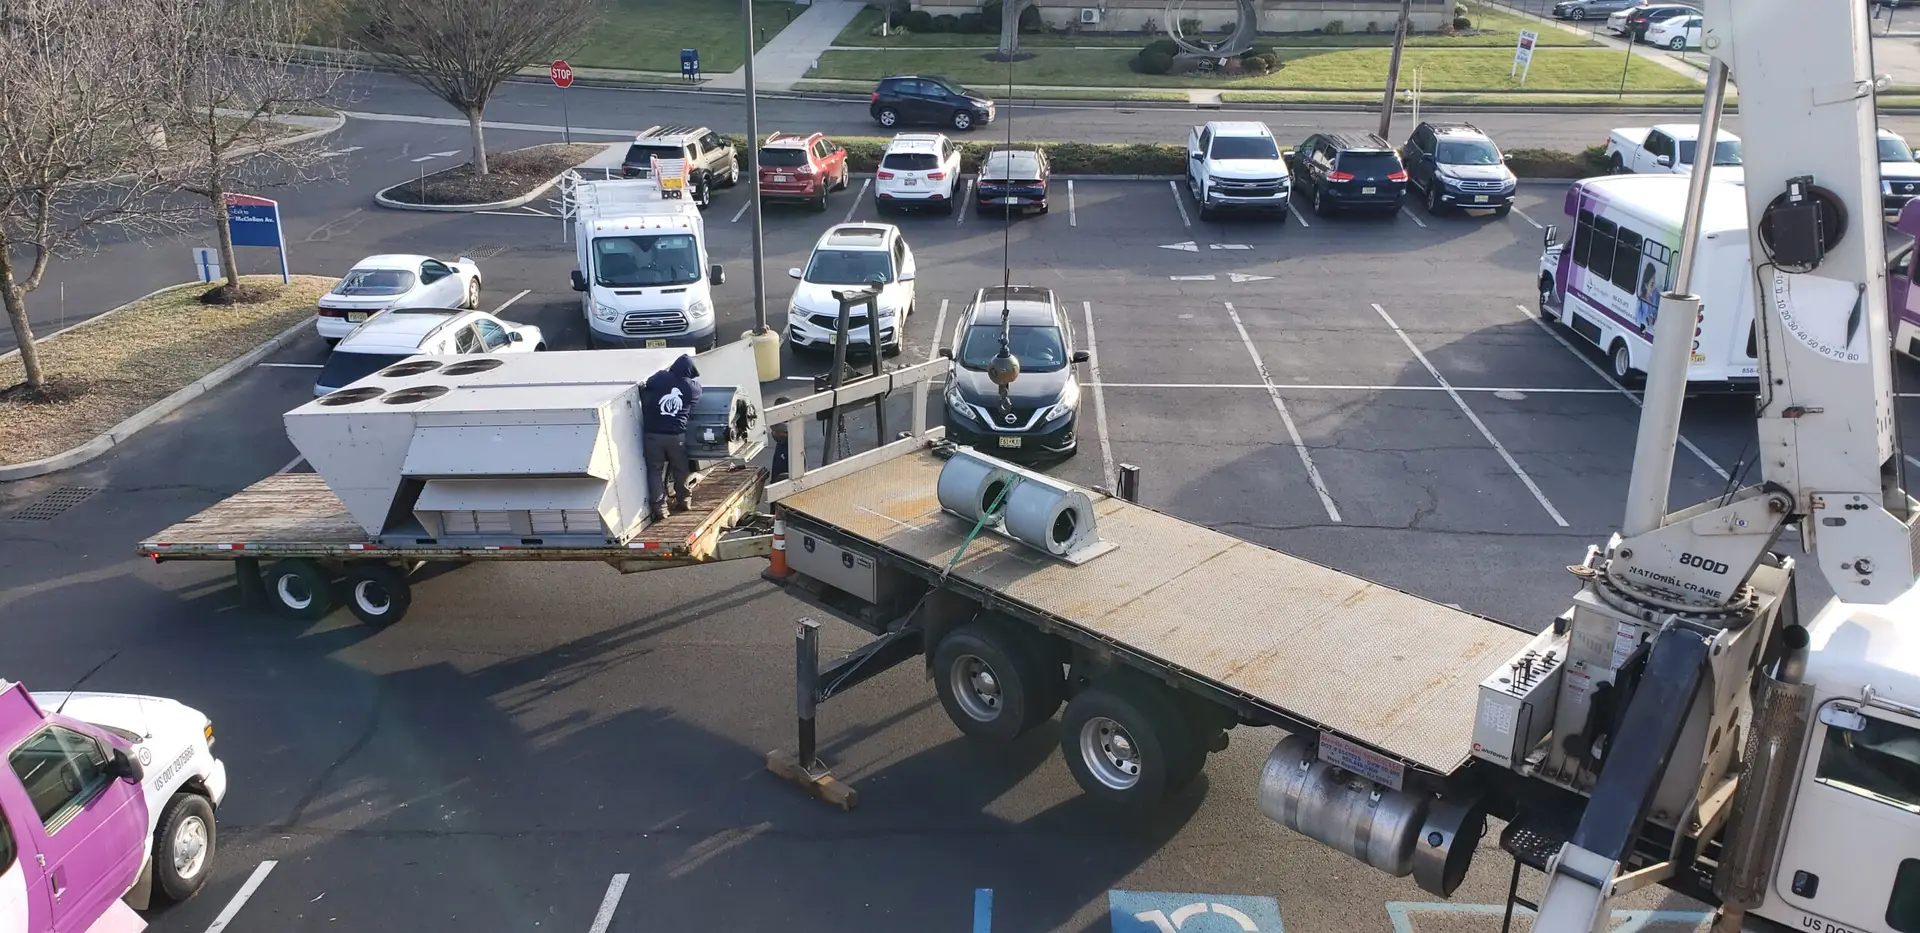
x=690 y=64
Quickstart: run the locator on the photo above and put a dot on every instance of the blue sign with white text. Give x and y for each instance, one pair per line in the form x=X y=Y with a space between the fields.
x=1162 y=912
x=253 y=221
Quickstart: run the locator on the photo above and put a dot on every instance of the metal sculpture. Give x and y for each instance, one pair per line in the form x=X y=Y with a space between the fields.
x=1246 y=26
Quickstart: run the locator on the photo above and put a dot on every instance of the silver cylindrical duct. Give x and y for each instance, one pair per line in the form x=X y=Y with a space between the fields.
x=971 y=484
x=1056 y=520
x=1348 y=813
x=1782 y=713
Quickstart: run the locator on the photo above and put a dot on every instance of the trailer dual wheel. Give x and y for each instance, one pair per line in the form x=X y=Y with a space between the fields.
x=378 y=594
x=300 y=588
x=995 y=685
x=183 y=846
x=1128 y=744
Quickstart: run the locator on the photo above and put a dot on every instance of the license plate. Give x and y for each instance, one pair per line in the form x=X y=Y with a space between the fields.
x=911 y=182
x=671 y=183
x=1009 y=442
x=355 y=317
x=655 y=344
x=783 y=179
x=1366 y=191
x=1479 y=199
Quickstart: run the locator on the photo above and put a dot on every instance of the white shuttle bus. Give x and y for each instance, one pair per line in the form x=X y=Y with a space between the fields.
x=1604 y=284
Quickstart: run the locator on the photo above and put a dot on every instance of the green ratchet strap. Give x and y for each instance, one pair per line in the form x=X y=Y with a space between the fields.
x=991 y=511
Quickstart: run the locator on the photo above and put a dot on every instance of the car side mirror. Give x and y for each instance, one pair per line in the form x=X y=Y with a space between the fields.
x=717 y=275
x=1195 y=156
x=1506 y=157
x=906 y=276
x=793 y=273
x=946 y=352
x=1664 y=161
x=514 y=336
x=1081 y=356
x=1552 y=236
x=579 y=281
x=127 y=768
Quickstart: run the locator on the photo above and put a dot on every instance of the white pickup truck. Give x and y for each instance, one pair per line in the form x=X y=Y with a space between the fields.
x=1668 y=149
x=1235 y=165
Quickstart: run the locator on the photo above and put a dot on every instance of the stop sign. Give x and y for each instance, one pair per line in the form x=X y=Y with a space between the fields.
x=561 y=73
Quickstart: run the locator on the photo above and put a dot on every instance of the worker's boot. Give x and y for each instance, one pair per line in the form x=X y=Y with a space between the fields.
x=681 y=505
x=658 y=514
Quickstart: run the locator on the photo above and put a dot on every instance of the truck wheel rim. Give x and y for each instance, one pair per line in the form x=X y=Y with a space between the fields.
x=1622 y=364
x=1110 y=753
x=976 y=688
x=190 y=848
x=293 y=592
x=372 y=598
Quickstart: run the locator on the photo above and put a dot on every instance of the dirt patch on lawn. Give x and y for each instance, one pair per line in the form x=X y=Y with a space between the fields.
x=510 y=175
x=109 y=369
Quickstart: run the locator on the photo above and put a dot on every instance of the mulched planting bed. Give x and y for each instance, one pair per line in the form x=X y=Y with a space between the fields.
x=512 y=174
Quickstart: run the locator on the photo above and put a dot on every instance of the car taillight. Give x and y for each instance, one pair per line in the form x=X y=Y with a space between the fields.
x=332 y=312
x=1339 y=176
x=883 y=175
x=876 y=98
x=1397 y=176
x=803 y=170
x=936 y=176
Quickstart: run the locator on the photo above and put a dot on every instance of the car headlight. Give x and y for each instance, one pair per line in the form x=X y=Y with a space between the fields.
x=957 y=402
x=605 y=312
x=1886 y=187
x=699 y=310
x=1068 y=404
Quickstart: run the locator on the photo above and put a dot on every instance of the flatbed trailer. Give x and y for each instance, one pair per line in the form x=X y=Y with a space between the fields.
x=294 y=521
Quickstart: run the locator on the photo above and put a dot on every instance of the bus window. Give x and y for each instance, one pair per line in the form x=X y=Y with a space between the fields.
x=1626 y=261
x=1600 y=257
x=1582 y=238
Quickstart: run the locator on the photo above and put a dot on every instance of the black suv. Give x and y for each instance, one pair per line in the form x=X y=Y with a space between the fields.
x=928 y=99
x=1337 y=171
x=711 y=160
x=1042 y=411
x=1456 y=165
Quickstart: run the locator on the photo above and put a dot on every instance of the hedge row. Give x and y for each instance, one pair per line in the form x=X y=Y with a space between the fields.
x=863 y=155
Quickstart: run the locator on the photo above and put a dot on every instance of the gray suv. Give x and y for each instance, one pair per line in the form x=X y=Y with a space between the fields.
x=711 y=160
x=1589 y=9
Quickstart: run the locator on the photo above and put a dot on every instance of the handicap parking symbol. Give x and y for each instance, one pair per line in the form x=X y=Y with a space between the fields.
x=1162 y=912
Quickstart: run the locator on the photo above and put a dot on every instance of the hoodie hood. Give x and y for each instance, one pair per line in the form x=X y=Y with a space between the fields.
x=684 y=368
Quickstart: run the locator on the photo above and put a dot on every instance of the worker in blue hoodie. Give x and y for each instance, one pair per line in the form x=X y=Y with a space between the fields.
x=666 y=402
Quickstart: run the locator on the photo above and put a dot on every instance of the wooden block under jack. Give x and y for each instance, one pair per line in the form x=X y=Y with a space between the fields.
x=820 y=783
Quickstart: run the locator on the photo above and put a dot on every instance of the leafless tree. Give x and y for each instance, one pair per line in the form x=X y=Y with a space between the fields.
x=81 y=139
x=232 y=81
x=461 y=50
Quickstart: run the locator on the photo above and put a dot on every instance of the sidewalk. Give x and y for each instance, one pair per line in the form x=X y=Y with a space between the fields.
x=786 y=59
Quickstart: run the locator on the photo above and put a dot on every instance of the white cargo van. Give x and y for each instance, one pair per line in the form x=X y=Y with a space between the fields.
x=1605 y=283
x=641 y=264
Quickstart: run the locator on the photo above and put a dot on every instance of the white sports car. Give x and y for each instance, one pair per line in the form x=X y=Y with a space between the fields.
x=377 y=283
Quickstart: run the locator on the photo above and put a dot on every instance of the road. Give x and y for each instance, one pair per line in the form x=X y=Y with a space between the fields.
x=535 y=735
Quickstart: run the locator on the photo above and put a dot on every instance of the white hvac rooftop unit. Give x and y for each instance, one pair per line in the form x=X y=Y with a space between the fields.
x=536 y=448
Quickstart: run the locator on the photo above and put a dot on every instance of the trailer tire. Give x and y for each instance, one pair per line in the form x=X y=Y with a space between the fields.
x=1128 y=744
x=300 y=589
x=183 y=846
x=991 y=683
x=378 y=594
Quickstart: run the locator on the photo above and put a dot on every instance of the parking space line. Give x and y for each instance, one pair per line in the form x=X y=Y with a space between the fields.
x=1409 y=212
x=1608 y=377
x=865 y=183
x=1913 y=461
x=1343 y=387
x=1523 y=216
x=509 y=302
x=742 y=212
x=1073 y=215
x=1294 y=212
x=1279 y=405
x=609 y=903
x=1512 y=464
x=232 y=909
x=1179 y=203
x=1099 y=399
x=939 y=331
x=982 y=910
x=960 y=207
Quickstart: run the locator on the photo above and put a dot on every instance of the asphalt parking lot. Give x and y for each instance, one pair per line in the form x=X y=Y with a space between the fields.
x=561 y=748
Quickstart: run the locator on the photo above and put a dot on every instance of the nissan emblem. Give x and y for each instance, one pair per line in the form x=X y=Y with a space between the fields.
x=1010 y=417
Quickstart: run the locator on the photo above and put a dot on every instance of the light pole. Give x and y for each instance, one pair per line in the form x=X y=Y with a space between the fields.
x=1393 y=68
x=766 y=343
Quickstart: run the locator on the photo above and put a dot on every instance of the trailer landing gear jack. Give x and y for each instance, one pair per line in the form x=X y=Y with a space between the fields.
x=805 y=768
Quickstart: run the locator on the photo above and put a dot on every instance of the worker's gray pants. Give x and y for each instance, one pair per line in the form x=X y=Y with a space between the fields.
x=666 y=454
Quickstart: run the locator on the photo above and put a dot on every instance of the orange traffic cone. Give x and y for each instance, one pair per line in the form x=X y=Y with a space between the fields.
x=777 y=570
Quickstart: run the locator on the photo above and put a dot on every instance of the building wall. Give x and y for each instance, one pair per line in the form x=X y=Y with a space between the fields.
x=1217 y=16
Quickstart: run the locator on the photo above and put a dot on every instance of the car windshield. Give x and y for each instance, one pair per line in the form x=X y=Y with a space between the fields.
x=782 y=157
x=850 y=267
x=1725 y=152
x=363 y=282
x=1038 y=347
x=1895 y=150
x=345 y=367
x=911 y=161
x=645 y=261
x=1467 y=152
x=1245 y=147
x=641 y=154
x=1007 y=165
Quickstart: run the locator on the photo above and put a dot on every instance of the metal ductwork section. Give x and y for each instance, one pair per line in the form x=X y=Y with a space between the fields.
x=1400 y=832
x=1770 y=765
x=1032 y=508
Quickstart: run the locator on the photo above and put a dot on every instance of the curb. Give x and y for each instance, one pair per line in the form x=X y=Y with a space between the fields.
x=119 y=433
x=380 y=198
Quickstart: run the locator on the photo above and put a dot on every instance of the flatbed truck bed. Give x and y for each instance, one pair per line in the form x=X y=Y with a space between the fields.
x=295 y=521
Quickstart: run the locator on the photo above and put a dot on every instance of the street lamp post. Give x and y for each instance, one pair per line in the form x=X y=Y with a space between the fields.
x=766 y=343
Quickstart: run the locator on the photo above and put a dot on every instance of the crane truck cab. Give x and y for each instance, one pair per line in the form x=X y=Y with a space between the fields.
x=105 y=798
x=641 y=261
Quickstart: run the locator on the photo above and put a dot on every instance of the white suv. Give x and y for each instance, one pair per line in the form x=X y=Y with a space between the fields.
x=395 y=335
x=851 y=255
x=917 y=169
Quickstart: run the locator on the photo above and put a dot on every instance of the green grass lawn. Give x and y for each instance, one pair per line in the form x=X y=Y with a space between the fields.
x=1305 y=69
x=1492 y=28
x=647 y=35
